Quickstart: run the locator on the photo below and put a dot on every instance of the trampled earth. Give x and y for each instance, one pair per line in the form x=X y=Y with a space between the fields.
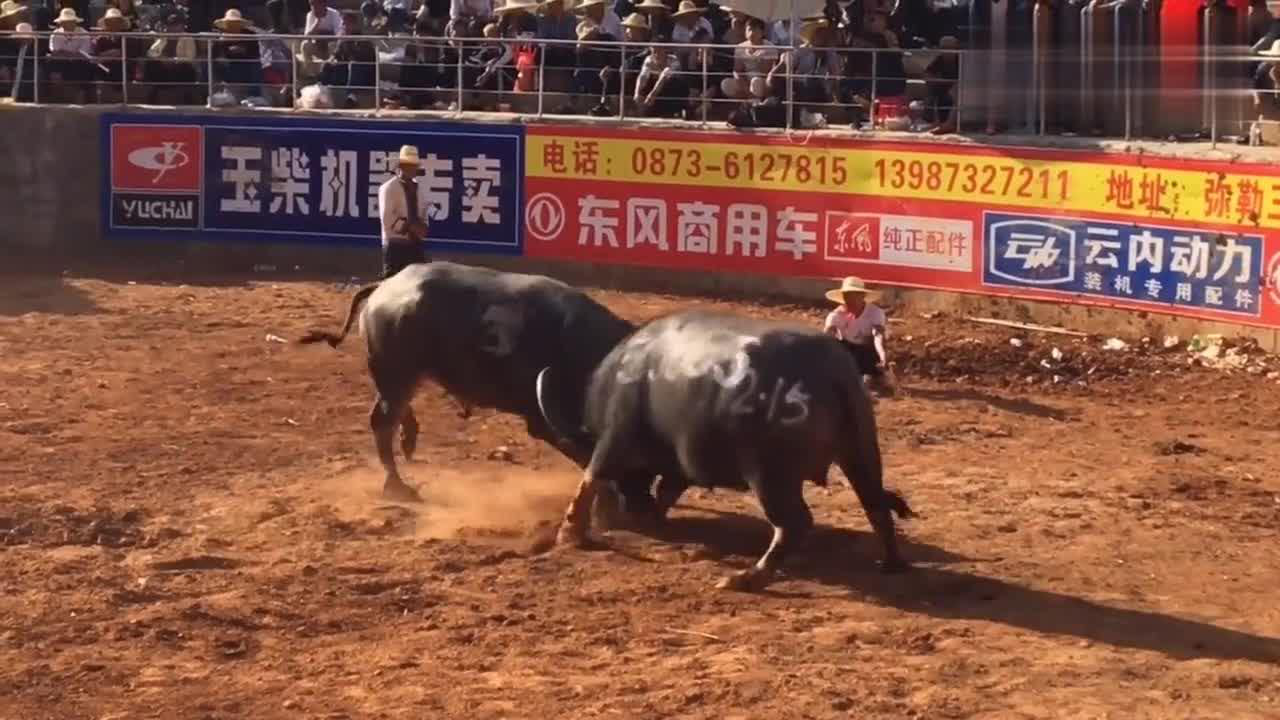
x=190 y=527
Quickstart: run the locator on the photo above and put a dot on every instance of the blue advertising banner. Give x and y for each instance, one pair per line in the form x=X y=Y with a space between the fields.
x=302 y=179
x=1143 y=263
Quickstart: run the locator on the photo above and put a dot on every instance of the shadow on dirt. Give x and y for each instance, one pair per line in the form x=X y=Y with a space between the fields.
x=43 y=294
x=847 y=558
x=1013 y=405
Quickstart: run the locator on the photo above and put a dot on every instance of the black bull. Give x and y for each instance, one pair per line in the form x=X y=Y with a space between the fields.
x=721 y=400
x=483 y=336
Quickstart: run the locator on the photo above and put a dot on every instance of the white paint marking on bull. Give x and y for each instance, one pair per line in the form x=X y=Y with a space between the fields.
x=544 y=216
x=504 y=323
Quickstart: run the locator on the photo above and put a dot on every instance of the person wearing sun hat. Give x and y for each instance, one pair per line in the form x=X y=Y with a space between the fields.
x=635 y=29
x=599 y=13
x=70 y=53
x=108 y=47
x=404 y=222
x=659 y=15
x=863 y=328
x=238 y=55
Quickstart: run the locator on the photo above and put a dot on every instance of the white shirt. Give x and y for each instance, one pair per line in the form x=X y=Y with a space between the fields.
x=392 y=209
x=857 y=330
x=76 y=41
x=332 y=22
x=470 y=8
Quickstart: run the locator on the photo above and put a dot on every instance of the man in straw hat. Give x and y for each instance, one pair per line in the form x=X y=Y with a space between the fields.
x=598 y=13
x=240 y=57
x=863 y=327
x=108 y=47
x=404 y=228
x=11 y=14
x=70 y=53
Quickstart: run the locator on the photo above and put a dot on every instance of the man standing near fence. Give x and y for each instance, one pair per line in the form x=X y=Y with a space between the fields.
x=404 y=229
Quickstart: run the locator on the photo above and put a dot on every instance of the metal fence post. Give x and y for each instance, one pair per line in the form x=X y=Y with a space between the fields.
x=124 y=71
x=542 y=66
x=959 y=93
x=293 y=74
x=704 y=97
x=462 y=47
x=208 y=50
x=35 y=69
x=622 y=81
x=377 y=83
x=871 y=113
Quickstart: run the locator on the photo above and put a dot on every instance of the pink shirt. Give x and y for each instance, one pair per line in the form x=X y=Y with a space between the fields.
x=857 y=329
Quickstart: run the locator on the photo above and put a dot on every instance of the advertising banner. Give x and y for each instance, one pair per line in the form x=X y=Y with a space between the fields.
x=286 y=179
x=1086 y=228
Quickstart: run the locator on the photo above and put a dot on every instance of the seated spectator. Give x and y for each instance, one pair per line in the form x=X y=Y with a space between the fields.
x=940 y=77
x=737 y=30
x=20 y=82
x=659 y=16
x=753 y=59
x=324 y=22
x=556 y=24
x=467 y=18
x=277 y=57
x=70 y=60
x=688 y=24
x=813 y=70
x=889 y=69
x=635 y=29
x=108 y=46
x=12 y=14
x=591 y=60
x=237 y=56
x=353 y=61
x=171 y=62
x=660 y=90
x=419 y=64
x=598 y=13
x=717 y=17
x=517 y=26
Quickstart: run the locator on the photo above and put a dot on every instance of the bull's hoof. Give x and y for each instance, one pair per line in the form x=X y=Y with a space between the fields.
x=750 y=580
x=400 y=492
x=894 y=566
x=572 y=536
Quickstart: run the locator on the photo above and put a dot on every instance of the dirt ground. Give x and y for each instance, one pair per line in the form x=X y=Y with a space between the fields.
x=190 y=527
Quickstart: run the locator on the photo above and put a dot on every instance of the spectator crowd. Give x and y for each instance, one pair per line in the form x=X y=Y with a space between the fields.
x=891 y=62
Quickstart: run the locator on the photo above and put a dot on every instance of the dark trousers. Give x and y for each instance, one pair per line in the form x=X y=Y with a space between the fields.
x=865 y=355
x=396 y=255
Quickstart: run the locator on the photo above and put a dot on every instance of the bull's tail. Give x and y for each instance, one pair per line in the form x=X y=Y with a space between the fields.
x=335 y=340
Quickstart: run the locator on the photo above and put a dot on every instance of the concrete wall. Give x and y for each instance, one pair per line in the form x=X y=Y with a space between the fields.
x=51 y=206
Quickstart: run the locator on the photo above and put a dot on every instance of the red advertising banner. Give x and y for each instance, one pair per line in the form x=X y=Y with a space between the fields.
x=1174 y=237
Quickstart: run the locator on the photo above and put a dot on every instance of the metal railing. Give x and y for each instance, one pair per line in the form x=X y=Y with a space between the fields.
x=868 y=88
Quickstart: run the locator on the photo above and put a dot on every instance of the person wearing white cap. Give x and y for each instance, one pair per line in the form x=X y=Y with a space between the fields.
x=70 y=53
x=400 y=207
x=863 y=327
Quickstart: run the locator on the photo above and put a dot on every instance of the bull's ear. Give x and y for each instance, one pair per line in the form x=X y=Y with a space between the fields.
x=549 y=405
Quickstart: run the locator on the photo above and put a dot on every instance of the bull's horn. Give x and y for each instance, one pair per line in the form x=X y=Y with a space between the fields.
x=550 y=409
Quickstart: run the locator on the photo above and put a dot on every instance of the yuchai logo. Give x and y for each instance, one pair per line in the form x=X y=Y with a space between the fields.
x=163 y=158
x=164 y=209
x=544 y=216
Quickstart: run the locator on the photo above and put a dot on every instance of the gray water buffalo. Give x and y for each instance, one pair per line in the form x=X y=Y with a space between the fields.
x=483 y=336
x=720 y=400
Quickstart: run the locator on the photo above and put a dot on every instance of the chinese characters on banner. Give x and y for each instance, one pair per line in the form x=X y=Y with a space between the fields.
x=1080 y=227
x=1180 y=267
x=316 y=181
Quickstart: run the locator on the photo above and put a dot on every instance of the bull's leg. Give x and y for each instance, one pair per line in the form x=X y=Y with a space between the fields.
x=670 y=487
x=784 y=506
x=408 y=432
x=877 y=503
x=387 y=411
x=577 y=519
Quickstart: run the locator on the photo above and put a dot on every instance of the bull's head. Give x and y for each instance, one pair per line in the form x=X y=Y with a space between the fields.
x=561 y=407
